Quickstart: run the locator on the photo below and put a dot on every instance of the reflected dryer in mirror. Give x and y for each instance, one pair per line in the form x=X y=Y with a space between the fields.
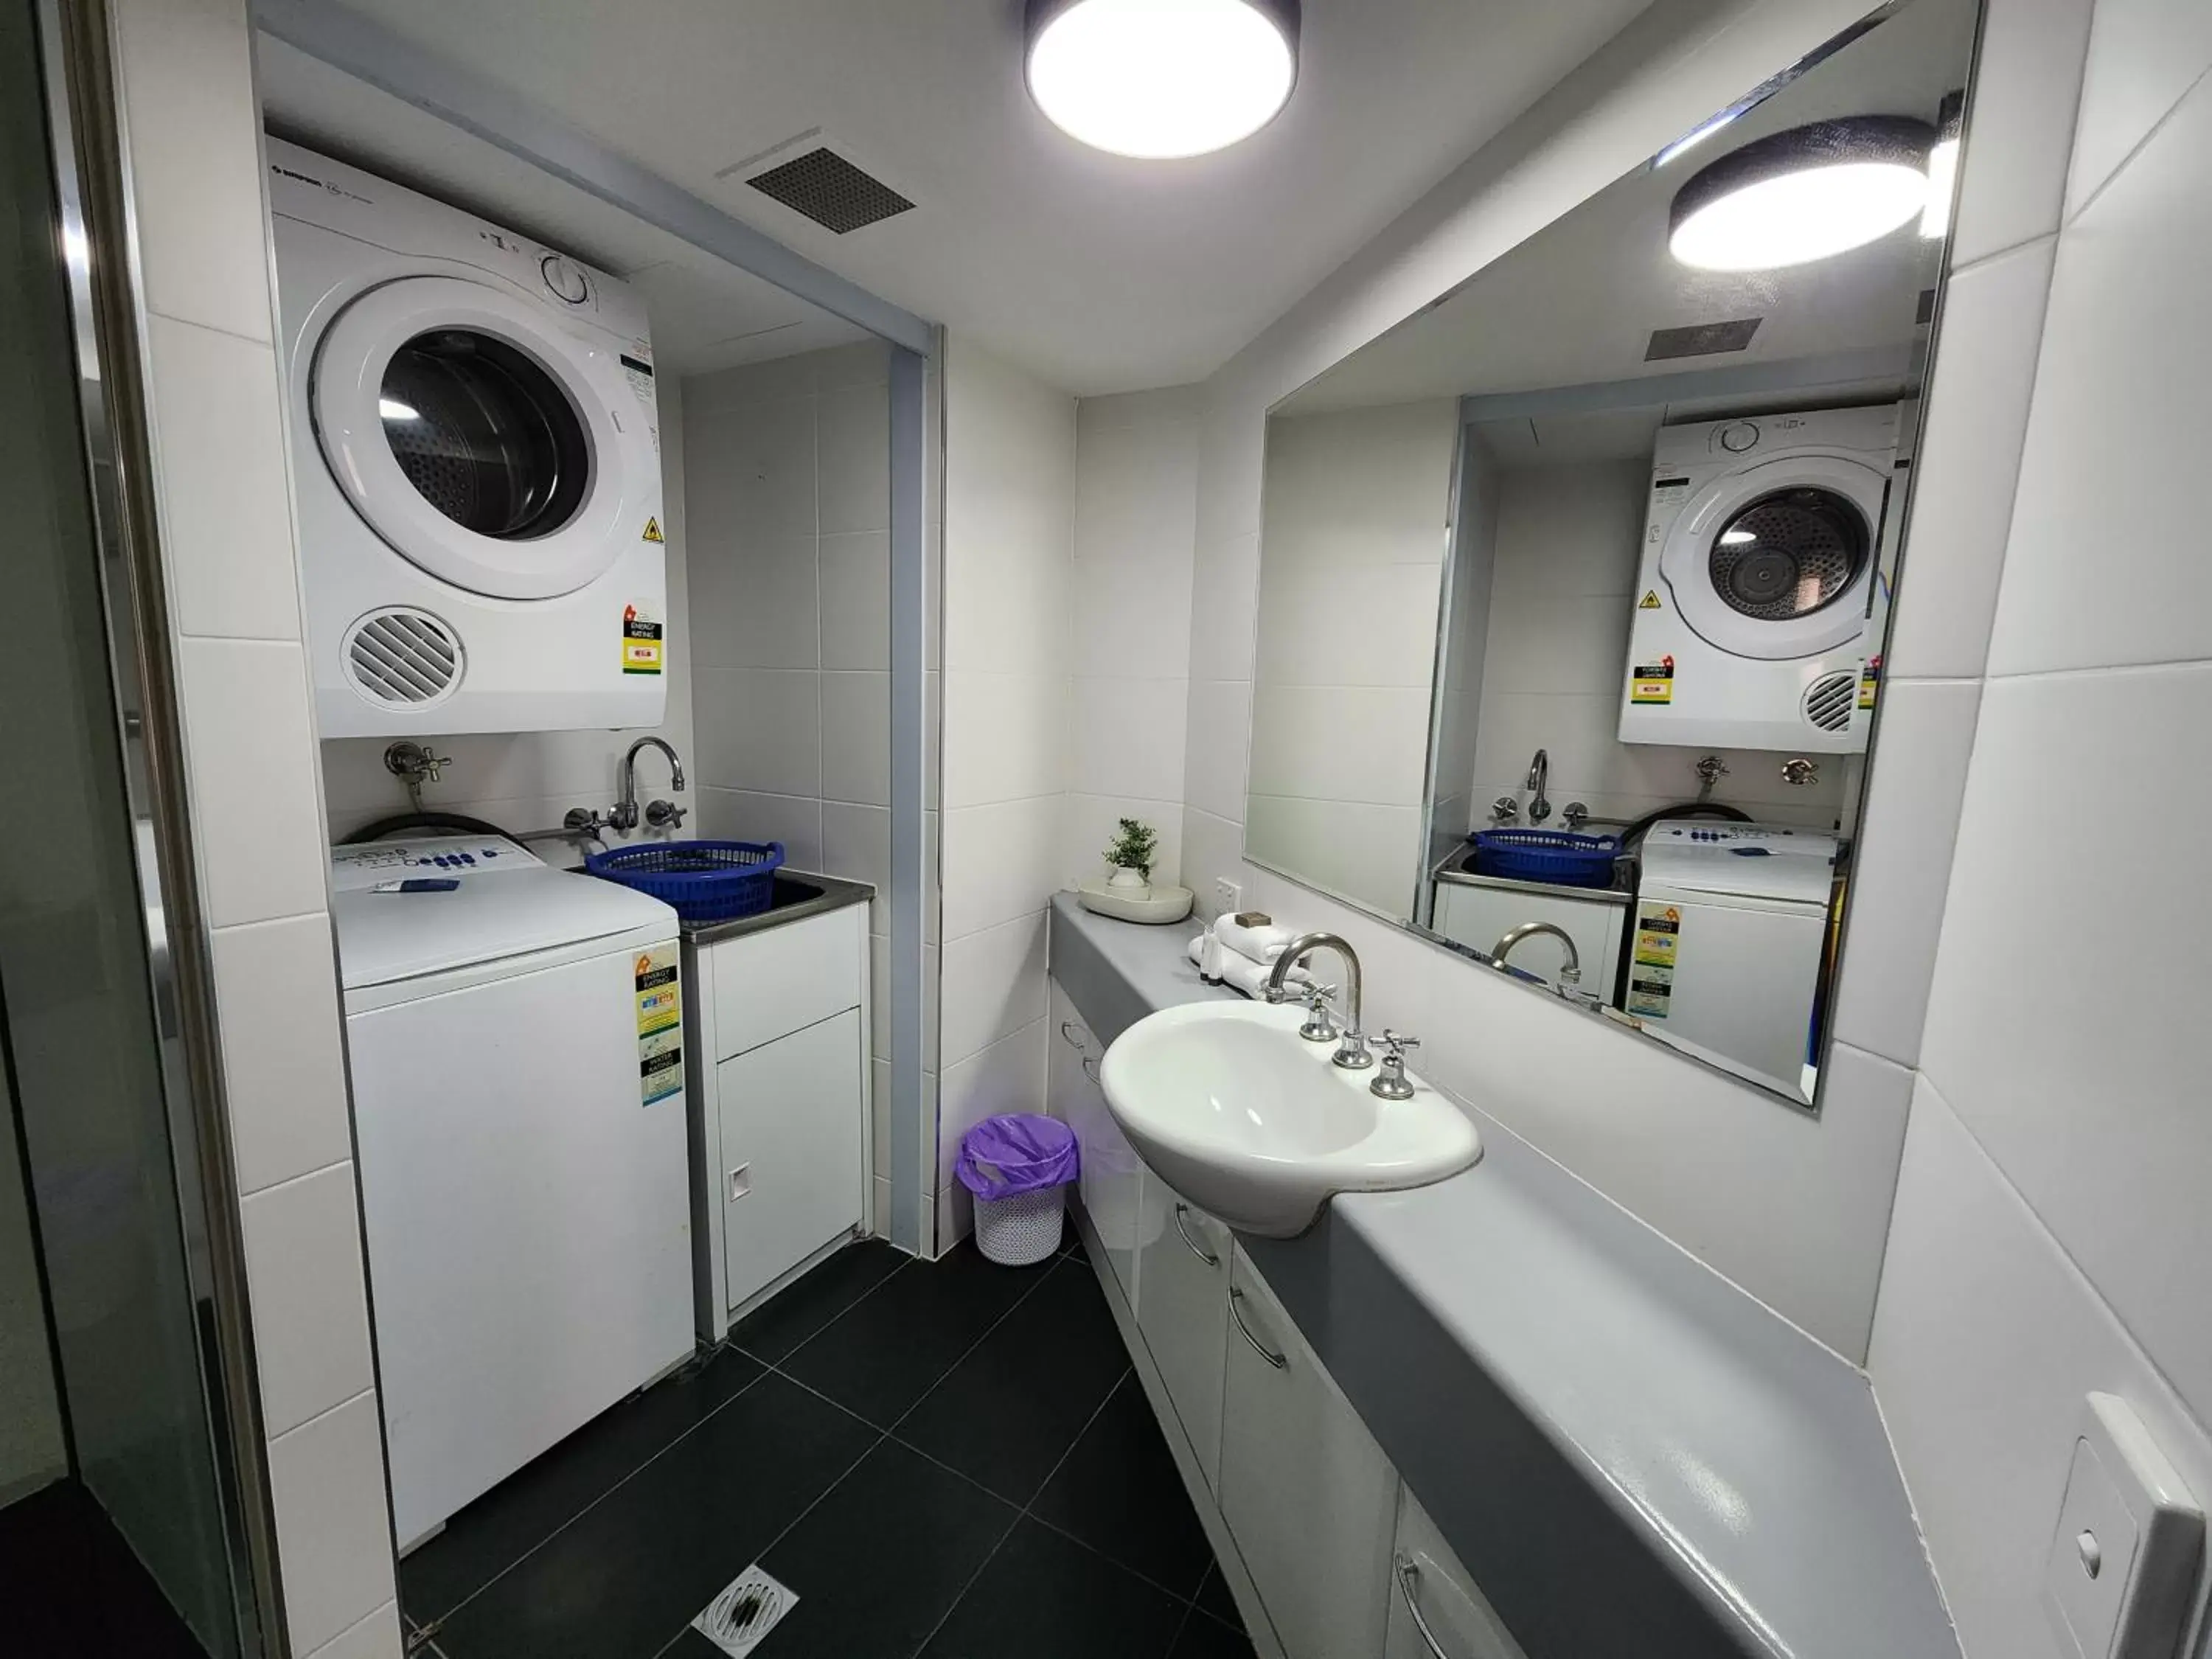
x=1574 y=588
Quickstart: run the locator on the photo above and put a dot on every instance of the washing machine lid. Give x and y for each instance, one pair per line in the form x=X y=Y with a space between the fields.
x=1776 y=560
x=483 y=440
x=508 y=904
x=1768 y=864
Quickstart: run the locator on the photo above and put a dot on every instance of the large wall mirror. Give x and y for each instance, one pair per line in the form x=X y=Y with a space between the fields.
x=1574 y=588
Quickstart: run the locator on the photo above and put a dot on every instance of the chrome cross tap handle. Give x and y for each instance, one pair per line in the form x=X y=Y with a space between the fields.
x=1391 y=1082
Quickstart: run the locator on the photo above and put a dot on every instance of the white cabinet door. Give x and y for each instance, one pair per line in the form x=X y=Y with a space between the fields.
x=1308 y=1493
x=1112 y=1174
x=1481 y=916
x=1437 y=1610
x=1183 y=1313
x=794 y=1152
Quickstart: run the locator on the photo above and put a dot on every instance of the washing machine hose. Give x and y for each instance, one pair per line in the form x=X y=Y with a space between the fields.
x=1688 y=809
x=455 y=823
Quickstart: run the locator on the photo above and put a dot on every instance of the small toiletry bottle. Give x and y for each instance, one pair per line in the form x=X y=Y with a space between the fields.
x=1209 y=956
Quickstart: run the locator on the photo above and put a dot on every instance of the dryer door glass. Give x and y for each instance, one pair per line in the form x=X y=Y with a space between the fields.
x=484 y=433
x=1788 y=554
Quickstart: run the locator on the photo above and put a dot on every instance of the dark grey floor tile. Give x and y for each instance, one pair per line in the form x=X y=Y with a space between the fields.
x=1120 y=1492
x=692 y=1645
x=887 y=1352
x=1206 y=1638
x=878 y=1563
x=1007 y=1413
x=538 y=1500
x=1045 y=1595
x=622 y=1578
x=1213 y=1597
x=799 y=1309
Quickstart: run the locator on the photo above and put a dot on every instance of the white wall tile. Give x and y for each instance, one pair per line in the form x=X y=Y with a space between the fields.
x=284 y=1080
x=760 y=729
x=250 y=749
x=1969 y=462
x=1221 y=731
x=856 y=600
x=953 y=1217
x=2056 y=1026
x=1986 y=1339
x=2012 y=174
x=1007 y=605
x=226 y=503
x=1090 y=822
x=2143 y=55
x=879 y=1125
x=864 y=362
x=1364 y=851
x=1134 y=616
x=1316 y=628
x=1128 y=737
x=188 y=84
x=751 y=470
x=854 y=448
x=1212 y=846
x=377 y=1637
x=310 y=1307
x=1000 y=861
x=326 y=1482
x=856 y=739
x=994 y=984
x=1903 y=865
x=1005 y=737
x=755 y=599
x=1006 y=1076
x=747 y=815
x=1342 y=742
x=2115 y=427
x=1223 y=600
x=856 y=844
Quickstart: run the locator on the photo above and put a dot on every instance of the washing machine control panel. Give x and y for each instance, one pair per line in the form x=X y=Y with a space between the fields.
x=354 y=869
x=1747 y=840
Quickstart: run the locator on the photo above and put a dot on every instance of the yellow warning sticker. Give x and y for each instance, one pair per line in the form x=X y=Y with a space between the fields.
x=1649 y=601
x=652 y=531
x=643 y=647
x=659 y=976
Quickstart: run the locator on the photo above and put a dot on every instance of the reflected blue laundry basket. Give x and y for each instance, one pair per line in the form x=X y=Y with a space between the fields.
x=1565 y=857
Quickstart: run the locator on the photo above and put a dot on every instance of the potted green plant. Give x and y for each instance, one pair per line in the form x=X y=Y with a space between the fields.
x=1131 y=855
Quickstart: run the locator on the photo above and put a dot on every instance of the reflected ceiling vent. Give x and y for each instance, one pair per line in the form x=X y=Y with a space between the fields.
x=809 y=175
x=1700 y=339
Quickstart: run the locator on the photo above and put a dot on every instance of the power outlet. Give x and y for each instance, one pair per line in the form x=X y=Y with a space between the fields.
x=1229 y=895
x=2123 y=1559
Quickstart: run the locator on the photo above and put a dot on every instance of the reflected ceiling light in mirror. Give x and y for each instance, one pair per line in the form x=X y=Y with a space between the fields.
x=1161 y=79
x=1943 y=167
x=1803 y=195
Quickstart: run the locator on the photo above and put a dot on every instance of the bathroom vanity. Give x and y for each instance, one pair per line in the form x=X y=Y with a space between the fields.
x=1495 y=1417
x=776 y=1044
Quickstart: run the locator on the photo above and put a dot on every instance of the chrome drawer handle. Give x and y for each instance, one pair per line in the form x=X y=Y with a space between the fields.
x=1071 y=1033
x=1195 y=1248
x=1409 y=1585
x=1090 y=1068
x=1237 y=1313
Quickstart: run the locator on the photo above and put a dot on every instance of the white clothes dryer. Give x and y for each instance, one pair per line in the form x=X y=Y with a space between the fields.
x=1760 y=562
x=476 y=451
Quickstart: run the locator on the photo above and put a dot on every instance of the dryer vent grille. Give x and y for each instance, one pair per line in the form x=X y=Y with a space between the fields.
x=1828 y=700
x=403 y=659
x=830 y=191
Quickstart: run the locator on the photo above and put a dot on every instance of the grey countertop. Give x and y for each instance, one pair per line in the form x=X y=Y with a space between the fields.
x=836 y=893
x=1633 y=1457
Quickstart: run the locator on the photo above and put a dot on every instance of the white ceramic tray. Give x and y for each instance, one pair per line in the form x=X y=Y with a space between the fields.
x=1158 y=906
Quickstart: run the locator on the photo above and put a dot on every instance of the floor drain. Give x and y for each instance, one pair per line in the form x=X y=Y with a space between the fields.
x=737 y=1619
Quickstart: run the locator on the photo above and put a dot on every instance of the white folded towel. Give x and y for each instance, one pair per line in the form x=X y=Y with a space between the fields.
x=1247 y=975
x=1260 y=945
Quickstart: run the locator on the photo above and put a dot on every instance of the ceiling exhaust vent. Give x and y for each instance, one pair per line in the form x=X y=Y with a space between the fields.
x=1700 y=339
x=830 y=191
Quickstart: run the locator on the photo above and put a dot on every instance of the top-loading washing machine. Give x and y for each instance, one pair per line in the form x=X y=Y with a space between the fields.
x=477 y=453
x=1732 y=925
x=1761 y=560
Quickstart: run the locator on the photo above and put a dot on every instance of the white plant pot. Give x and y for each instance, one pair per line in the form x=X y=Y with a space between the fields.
x=1134 y=883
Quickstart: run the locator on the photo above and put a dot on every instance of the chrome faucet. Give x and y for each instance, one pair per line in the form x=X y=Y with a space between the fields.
x=1351 y=1051
x=660 y=814
x=1539 y=774
x=1569 y=974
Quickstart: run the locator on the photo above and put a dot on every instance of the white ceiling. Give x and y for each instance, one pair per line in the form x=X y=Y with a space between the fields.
x=1584 y=295
x=1096 y=273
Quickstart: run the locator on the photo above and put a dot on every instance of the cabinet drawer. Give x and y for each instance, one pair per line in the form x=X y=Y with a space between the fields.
x=1183 y=1311
x=1437 y=1610
x=775 y=982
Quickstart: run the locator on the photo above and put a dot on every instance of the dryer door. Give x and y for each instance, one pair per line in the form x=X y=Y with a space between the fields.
x=1777 y=561
x=480 y=440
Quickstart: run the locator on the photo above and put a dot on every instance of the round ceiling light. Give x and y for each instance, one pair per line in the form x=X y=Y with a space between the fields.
x=1158 y=79
x=1803 y=195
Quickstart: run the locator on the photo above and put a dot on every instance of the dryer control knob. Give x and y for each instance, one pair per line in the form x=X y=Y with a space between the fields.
x=564 y=280
x=1738 y=436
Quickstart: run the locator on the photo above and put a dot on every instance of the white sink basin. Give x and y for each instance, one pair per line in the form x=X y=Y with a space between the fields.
x=1249 y=1121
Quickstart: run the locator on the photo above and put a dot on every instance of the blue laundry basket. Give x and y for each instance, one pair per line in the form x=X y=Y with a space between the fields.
x=704 y=881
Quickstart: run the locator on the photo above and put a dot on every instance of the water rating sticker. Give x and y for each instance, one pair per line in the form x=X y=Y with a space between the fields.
x=641 y=644
x=1869 y=682
x=1652 y=683
x=1651 y=972
x=659 y=975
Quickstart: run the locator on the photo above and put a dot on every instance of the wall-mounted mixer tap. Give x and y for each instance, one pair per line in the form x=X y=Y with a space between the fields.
x=1540 y=774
